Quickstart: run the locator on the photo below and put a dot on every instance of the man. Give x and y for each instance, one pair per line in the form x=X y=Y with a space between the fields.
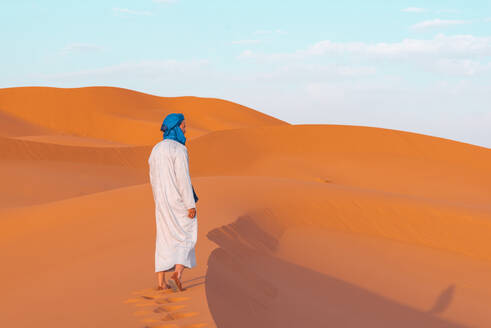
x=175 y=204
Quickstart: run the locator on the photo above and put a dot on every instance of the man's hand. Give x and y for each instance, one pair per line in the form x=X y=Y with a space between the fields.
x=191 y=213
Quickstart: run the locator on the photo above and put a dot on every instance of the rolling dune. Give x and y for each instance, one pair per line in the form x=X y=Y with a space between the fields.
x=122 y=115
x=375 y=159
x=35 y=172
x=319 y=226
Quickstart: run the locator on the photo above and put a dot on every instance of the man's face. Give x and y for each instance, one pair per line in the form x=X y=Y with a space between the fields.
x=183 y=126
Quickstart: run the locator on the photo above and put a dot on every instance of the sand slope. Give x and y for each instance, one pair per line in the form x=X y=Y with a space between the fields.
x=58 y=143
x=314 y=226
x=122 y=115
x=366 y=158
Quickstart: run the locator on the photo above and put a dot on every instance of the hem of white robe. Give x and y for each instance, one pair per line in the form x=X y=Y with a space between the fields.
x=181 y=256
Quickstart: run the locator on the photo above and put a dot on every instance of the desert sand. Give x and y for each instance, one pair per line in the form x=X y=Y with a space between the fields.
x=299 y=225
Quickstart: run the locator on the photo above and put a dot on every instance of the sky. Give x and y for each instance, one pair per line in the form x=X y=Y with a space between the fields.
x=419 y=66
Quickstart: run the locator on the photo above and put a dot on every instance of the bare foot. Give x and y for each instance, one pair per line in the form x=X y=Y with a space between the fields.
x=175 y=283
x=163 y=287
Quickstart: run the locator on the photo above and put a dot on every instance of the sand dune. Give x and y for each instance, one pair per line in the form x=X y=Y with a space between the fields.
x=350 y=238
x=12 y=126
x=29 y=150
x=35 y=172
x=367 y=158
x=37 y=182
x=316 y=226
x=122 y=115
x=275 y=259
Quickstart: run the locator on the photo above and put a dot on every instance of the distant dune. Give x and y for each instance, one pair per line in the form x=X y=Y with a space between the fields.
x=299 y=225
x=373 y=159
x=122 y=115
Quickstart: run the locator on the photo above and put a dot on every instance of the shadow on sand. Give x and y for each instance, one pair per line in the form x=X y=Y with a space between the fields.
x=246 y=286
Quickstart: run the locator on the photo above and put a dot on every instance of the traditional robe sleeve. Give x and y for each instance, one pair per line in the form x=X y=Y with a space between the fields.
x=183 y=178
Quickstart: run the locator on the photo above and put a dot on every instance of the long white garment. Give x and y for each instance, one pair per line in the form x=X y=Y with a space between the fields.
x=173 y=196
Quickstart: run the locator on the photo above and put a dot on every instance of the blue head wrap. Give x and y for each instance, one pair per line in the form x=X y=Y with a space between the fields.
x=171 y=128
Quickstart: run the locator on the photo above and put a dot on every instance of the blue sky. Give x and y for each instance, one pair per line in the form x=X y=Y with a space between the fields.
x=421 y=66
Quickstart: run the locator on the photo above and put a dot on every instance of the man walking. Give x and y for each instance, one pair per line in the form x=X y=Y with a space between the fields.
x=175 y=204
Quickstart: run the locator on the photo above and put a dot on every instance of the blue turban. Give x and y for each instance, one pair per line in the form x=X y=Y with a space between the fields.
x=171 y=128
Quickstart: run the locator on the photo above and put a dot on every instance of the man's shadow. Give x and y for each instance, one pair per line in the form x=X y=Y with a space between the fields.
x=247 y=286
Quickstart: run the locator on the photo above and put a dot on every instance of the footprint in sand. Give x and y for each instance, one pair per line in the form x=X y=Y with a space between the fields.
x=171 y=317
x=178 y=315
x=148 y=297
x=176 y=299
x=165 y=308
x=144 y=304
x=168 y=308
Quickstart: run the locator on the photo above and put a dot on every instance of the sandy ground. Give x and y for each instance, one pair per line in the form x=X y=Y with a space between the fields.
x=299 y=226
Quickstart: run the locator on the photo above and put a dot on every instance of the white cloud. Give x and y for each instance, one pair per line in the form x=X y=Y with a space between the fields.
x=461 y=67
x=246 y=41
x=461 y=55
x=440 y=45
x=164 y=1
x=80 y=48
x=356 y=70
x=306 y=72
x=414 y=10
x=487 y=19
x=131 y=12
x=435 y=23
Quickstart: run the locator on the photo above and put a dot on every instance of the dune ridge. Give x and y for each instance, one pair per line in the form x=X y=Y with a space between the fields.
x=29 y=150
x=319 y=225
x=122 y=115
x=367 y=158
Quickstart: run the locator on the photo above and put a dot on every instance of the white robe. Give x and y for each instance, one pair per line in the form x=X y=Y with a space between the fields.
x=173 y=196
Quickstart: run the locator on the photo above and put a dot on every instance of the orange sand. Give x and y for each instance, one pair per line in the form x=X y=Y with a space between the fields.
x=300 y=226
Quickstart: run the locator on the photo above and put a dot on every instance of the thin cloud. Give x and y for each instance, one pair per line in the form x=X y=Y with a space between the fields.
x=414 y=10
x=435 y=23
x=249 y=54
x=246 y=41
x=455 y=46
x=466 y=67
x=164 y=1
x=131 y=12
x=80 y=48
x=448 y=11
x=269 y=32
x=440 y=45
x=417 y=10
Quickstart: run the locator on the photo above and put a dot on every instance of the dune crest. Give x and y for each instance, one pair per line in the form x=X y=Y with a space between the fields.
x=122 y=115
x=366 y=158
